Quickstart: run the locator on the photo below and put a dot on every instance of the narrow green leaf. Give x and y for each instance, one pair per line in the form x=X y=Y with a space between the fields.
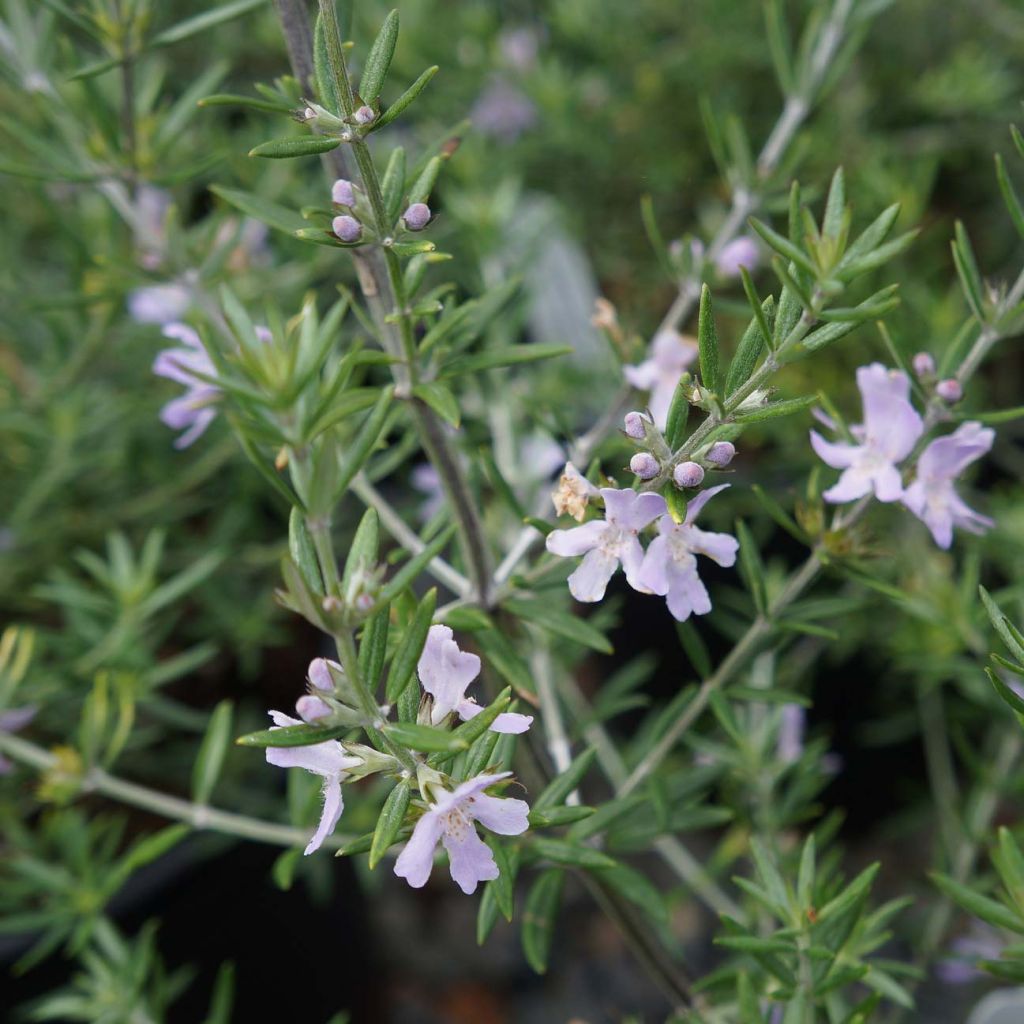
x=539 y=915
x=751 y=567
x=362 y=553
x=272 y=214
x=440 y=399
x=560 y=623
x=835 y=206
x=212 y=751
x=365 y=441
x=303 y=554
x=390 y=820
x=774 y=410
x=424 y=184
x=293 y=736
x=203 y=22
x=784 y=247
x=560 y=787
x=373 y=647
x=424 y=738
x=496 y=358
x=707 y=340
x=283 y=149
x=405 y=100
x=409 y=650
x=378 y=60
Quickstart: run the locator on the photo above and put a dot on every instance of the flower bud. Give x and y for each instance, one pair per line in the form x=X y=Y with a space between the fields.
x=364 y=115
x=417 y=217
x=343 y=193
x=634 y=425
x=311 y=708
x=949 y=390
x=348 y=229
x=924 y=365
x=721 y=453
x=319 y=673
x=688 y=474
x=644 y=465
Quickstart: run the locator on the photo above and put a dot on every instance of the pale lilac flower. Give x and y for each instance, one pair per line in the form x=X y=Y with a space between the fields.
x=932 y=496
x=669 y=568
x=890 y=430
x=328 y=760
x=607 y=543
x=789 y=745
x=503 y=112
x=740 y=252
x=688 y=474
x=573 y=494
x=445 y=672
x=644 y=465
x=980 y=943
x=159 y=303
x=451 y=820
x=11 y=721
x=670 y=355
x=949 y=390
x=519 y=47
x=417 y=216
x=427 y=481
x=192 y=412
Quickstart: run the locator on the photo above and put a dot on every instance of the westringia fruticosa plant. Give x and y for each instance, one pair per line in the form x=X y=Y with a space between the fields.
x=449 y=515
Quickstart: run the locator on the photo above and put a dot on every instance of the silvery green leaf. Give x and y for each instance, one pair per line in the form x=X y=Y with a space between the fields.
x=378 y=60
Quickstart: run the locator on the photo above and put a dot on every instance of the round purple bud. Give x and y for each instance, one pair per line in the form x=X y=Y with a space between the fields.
x=343 y=193
x=348 y=229
x=949 y=390
x=924 y=365
x=634 y=425
x=417 y=217
x=740 y=252
x=721 y=453
x=364 y=115
x=644 y=465
x=688 y=474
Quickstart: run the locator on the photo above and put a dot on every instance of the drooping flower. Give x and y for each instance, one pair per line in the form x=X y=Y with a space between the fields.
x=193 y=411
x=933 y=498
x=451 y=820
x=890 y=430
x=328 y=760
x=671 y=353
x=11 y=721
x=445 y=672
x=669 y=568
x=607 y=543
x=573 y=493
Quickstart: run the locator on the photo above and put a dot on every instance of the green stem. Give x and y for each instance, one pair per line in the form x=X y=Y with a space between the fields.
x=199 y=816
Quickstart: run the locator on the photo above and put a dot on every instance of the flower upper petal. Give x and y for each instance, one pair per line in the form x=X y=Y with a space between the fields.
x=577 y=541
x=445 y=671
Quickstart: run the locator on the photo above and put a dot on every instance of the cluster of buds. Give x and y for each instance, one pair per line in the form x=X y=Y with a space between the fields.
x=347 y=225
x=647 y=463
x=948 y=389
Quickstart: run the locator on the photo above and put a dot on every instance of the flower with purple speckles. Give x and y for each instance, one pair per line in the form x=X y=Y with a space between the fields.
x=607 y=543
x=445 y=672
x=932 y=497
x=193 y=411
x=671 y=353
x=890 y=430
x=669 y=567
x=451 y=819
x=328 y=760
